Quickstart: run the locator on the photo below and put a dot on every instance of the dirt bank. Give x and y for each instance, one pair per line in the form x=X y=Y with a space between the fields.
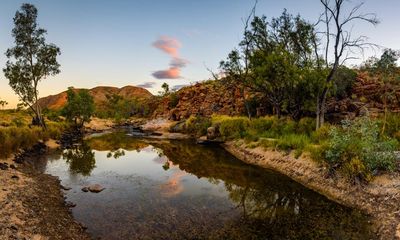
x=380 y=199
x=32 y=205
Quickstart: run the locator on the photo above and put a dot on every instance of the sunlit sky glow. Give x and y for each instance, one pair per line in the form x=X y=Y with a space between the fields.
x=148 y=42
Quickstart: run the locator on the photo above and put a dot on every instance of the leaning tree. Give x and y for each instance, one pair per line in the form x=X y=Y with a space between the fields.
x=339 y=44
x=30 y=60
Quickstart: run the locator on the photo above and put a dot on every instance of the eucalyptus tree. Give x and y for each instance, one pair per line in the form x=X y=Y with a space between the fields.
x=237 y=65
x=79 y=108
x=282 y=61
x=30 y=60
x=339 y=43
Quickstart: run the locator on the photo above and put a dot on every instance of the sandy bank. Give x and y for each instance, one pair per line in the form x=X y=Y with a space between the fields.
x=380 y=199
x=32 y=205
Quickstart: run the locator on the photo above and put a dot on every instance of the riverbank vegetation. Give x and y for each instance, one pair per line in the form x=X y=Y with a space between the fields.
x=358 y=149
x=17 y=133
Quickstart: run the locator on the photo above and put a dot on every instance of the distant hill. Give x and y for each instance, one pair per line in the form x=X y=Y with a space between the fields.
x=99 y=94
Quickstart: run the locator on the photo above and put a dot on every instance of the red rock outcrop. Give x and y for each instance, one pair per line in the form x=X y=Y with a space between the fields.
x=204 y=99
x=99 y=95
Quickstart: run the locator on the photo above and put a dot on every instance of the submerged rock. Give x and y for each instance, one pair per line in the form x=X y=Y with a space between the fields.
x=65 y=188
x=95 y=188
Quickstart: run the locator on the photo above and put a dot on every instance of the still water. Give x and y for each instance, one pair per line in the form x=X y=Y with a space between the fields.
x=180 y=190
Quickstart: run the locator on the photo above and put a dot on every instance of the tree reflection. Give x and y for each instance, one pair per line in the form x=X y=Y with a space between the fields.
x=269 y=205
x=80 y=159
x=116 y=154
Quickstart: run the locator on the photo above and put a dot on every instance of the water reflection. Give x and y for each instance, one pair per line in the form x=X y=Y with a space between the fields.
x=179 y=190
x=271 y=206
x=80 y=158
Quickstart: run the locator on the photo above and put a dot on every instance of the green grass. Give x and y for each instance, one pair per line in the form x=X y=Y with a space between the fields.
x=16 y=134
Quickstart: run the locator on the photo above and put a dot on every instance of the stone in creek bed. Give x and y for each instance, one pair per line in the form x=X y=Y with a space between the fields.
x=65 y=188
x=95 y=188
x=70 y=204
x=3 y=166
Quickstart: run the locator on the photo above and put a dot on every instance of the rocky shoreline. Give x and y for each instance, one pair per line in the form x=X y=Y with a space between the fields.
x=32 y=205
x=379 y=199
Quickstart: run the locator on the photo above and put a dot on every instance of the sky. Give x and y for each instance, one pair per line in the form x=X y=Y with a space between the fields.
x=149 y=42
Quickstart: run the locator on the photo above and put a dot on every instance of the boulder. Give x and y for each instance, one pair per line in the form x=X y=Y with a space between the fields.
x=96 y=188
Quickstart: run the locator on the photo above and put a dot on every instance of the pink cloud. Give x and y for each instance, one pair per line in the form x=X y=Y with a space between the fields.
x=168 y=45
x=171 y=73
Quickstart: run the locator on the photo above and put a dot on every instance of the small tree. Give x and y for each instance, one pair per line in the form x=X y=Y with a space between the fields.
x=80 y=107
x=30 y=60
x=165 y=87
x=3 y=103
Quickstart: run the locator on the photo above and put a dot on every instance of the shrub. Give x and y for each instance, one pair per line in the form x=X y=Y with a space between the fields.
x=231 y=127
x=321 y=134
x=359 y=150
x=306 y=126
x=393 y=125
x=263 y=124
x=18 y=122
x=197 y=125
x=173 y=100
x=14 y=138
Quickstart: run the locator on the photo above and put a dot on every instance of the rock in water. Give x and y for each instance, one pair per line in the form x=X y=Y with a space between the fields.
x=96 y=188
x=65 y=188
x=85 y=189
x=211 y=133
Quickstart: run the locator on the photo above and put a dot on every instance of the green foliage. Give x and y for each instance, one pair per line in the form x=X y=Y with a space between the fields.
x=80 y=159
x=14 y=138
x=359 y=150
x=393 y=125
x=321 y=134
x=343 y=80
x=18 y=122
x=31 y=59
x=263 y=127
x=79 y=108
x=231 y=127
x=173 y=100
x=165 y=88
x=275 y=60
x=3 y=103
x=197 y=125
x=120 y=109
x=293 y=142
